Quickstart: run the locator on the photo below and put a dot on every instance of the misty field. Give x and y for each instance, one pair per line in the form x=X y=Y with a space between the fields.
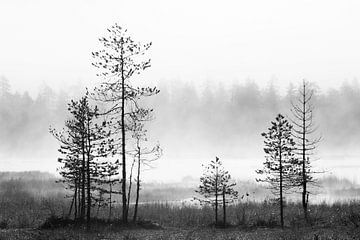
x=33 y=206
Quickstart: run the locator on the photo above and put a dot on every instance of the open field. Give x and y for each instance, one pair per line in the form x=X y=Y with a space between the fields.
x=27 y=201
x=248 y=221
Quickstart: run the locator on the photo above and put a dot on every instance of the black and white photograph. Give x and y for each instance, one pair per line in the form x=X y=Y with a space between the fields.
x=179 y=120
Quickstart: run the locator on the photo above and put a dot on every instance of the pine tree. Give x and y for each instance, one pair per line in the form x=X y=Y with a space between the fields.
x=118 y=61
x=70 y=170
x=82 y=141
x=214 y=184
x=280 y=166
x=73 y=163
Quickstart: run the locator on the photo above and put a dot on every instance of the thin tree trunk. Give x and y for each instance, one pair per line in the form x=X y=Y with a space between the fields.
x=72 y=202
x=88 y=215
x=216 y=196
x=79 y=196
x=123 y=140
x=224 y=206
x=130 y=185
x=75 y=200
x=304 y=178
x=281 y=199
x=83 y=172
x=99 y=204
x=110 y=203
x=137 y=185
x=281 y=182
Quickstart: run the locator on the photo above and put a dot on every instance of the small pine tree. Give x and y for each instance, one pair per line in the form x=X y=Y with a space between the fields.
x=280 y=166
x=214 y=184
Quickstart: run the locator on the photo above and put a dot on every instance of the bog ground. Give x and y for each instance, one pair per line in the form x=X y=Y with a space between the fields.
x=307 y=233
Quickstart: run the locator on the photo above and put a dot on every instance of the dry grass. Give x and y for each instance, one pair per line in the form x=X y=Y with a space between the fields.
x=253 y=214
x=21 y=214
x=24 y=211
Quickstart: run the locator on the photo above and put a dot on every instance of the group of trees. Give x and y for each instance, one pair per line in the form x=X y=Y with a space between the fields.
x=84 y=141
x=288 y=147
x=98 y=142
x=104 y=141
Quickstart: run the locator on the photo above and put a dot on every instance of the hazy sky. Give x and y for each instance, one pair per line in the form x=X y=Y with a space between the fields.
x=50 y=42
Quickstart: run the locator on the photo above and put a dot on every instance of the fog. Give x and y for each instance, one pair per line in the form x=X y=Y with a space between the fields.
x=224 y=70
x=51 y=41
x=192 y=125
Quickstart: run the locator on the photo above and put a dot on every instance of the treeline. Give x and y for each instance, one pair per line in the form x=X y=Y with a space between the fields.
x=290 y=145
x=24 y=120
x=189 y=115
x=242 y=110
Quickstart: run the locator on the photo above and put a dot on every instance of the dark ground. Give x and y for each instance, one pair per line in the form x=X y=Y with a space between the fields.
x=206 y=233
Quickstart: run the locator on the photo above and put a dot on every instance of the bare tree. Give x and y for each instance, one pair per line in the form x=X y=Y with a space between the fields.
x=303 y=132
x=144 y=153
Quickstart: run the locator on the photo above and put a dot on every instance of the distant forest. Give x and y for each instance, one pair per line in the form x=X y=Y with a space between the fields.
x=189 y=122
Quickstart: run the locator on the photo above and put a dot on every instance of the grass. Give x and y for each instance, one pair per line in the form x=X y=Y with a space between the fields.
x=22 y=213
x=253 y=214
x=21 y=218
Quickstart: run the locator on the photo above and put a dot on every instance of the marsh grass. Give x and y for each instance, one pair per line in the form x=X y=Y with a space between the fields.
x=24 y=210
x=29 y=203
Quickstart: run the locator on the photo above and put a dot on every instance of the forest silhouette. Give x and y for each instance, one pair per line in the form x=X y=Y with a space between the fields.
x=189 y=122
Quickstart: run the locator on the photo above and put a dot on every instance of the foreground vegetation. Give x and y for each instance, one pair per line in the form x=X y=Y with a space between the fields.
x=33 y=206
x=249 y=220
x=307 y=233
x=27 y=199
x=32 y=213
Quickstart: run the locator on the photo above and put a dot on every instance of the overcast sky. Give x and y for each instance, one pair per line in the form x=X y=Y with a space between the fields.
x=50 y=42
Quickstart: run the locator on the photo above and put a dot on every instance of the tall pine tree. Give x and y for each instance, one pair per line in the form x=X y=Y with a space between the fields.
x=119 y=61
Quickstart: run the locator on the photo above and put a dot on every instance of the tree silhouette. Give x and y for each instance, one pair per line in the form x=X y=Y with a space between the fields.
x=82 y=141
x=119 y=60
x=143 y=154
x=214 y=184
x=280 y=166
x=302 y=111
